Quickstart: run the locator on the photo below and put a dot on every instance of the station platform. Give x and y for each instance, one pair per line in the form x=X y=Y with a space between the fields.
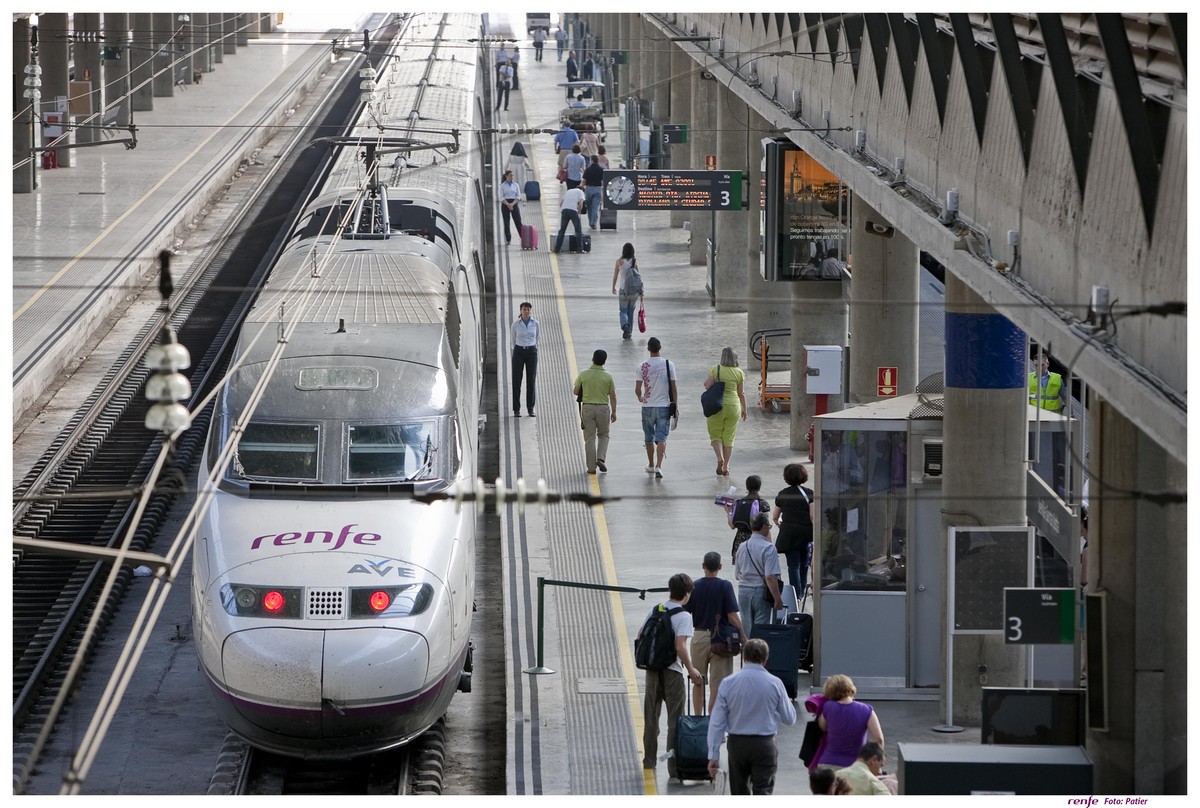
x=85 y=241
x=578 y=730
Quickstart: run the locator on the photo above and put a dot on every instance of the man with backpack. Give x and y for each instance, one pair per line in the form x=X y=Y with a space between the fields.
x=661 y=649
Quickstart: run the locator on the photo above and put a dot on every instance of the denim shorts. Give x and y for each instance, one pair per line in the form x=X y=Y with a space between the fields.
x=656 y=423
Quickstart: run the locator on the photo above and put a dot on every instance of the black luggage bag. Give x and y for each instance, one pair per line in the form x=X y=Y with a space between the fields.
x=805 y=651
x=608 y=218
x=783 y=646
x=691 y=744
x=573 y=244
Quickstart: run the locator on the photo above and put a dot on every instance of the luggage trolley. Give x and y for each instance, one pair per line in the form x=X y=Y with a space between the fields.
x=778 y=397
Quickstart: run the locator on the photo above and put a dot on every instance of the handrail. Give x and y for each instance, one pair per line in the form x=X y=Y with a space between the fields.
x=541 y=601
x=757 y=337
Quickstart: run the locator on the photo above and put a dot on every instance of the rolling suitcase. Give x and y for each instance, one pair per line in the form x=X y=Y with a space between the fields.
x=533 y=190
x=805 y=651
x=691 y=744
x=573 y=244
x=783 y=644
x=608 y=218
x=529 y=237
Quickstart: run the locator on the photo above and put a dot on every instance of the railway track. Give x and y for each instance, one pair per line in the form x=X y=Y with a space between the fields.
x=83 y=490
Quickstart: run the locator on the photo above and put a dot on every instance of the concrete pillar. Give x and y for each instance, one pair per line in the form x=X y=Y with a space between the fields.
x=216 y=37
x=1136 y=550
x=884 y=290
x=733 y=154
x=143 y=43
x=704 y=141
x=983 y=481
x=241 y=33
x=24 y=128
x=658 y=81
x=818 y=318
x=768 y=306
x=202 y=61
x=116 y=71
x=164 y=55
x=681 y=112
x=53 y=55
x=87 y=64
x=229 y=25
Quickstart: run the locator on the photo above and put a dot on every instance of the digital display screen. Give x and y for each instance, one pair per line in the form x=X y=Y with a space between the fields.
x=673 y=190
x=1039 y=716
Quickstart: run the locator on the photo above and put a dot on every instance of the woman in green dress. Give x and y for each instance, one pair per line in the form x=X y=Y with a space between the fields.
x=722 y=426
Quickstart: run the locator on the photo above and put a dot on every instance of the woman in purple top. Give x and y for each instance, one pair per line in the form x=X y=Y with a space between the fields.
x=847 y=723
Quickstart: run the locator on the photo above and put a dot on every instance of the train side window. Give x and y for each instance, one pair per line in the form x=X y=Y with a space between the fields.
x=279 y=452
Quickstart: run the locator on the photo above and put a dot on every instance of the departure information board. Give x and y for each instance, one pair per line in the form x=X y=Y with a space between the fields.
x=673 y=190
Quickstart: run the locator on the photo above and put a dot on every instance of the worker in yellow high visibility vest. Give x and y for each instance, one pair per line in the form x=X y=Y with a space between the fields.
x=1050 y=386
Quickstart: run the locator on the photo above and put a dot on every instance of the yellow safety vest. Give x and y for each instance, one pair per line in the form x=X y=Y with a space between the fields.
x=1051 y=396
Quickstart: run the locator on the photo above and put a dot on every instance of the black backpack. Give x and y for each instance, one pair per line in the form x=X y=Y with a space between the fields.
x=654 y=647
x=741 y=512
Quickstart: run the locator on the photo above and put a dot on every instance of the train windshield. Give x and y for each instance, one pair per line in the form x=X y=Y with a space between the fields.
x=279 y=452
x=379 y=452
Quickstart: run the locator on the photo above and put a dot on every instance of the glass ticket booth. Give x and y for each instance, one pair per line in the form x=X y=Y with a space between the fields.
x=878 y=552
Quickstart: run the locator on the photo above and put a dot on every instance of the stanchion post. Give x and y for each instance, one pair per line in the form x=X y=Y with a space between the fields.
x=540 y=669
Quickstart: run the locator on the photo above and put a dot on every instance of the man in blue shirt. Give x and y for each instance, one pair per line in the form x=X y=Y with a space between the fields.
x=524 y=358
x=564 y=139
x=751 y=705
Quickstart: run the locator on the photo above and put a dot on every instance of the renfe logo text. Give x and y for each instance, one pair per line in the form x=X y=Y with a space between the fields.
x=317 y=537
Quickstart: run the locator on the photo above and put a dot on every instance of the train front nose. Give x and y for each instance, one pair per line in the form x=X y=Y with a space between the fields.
x=324 y=684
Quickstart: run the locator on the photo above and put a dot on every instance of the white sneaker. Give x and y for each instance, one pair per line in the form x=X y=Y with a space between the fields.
x=649 y=469
x=658 y=472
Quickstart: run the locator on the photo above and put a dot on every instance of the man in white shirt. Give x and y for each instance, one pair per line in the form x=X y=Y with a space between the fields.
x=669 y=686
x=655 y=388
x=758 y=574
x=504 y=79
x=539 y=42
x=751 y=704
x=510 y=205
x=572 y=206
x=524 y=359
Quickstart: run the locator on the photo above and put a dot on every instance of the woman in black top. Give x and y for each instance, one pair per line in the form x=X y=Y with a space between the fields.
x=793 y=514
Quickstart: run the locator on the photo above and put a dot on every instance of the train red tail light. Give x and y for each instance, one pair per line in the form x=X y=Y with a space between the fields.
x=273 y=601
x=379 y=600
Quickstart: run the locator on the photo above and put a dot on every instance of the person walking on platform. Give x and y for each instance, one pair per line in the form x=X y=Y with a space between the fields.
x=572 y=72
x=668 y=686
x=572 y=206
x=712 y=601
x=524 y=359
x=593 y=179
x=1045 y=388
x=539 y=42
x=602 y=153
x=564 y=139
x=655 y=389
x=758 y=575
x=627 y=285
x=597 y=395
x=723 y=424
x=575 y=164
x=847 y=723
x=792 y=514
x=515 y=61
x=510 y=205
x=588 y=73
x=519 y=165
x=560 y=38
x=750 y=706
x=503 y=85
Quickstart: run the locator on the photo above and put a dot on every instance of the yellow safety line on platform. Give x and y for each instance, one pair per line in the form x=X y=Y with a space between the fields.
x=629 y=670
x=105 y=233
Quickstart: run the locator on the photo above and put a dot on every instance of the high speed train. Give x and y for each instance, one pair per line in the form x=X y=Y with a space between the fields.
x=331 y=610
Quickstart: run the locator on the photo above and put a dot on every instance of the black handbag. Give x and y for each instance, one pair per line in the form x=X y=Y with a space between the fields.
x=712 y=400
x=811 y=742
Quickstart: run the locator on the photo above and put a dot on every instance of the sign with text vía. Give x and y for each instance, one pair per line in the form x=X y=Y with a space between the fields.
x=1039 y=616
x=628 y=189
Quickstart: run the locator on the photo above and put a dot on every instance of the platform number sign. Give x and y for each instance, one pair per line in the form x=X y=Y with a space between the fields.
x=674 y=133
x=1039 y=616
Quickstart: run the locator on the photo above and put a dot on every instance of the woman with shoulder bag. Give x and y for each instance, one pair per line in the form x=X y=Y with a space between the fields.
x=722 y=425
x=741 y=515
x=793 y=514
x=627 y=284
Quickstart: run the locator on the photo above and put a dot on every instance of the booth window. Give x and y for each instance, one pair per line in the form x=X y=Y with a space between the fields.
x=864 y=516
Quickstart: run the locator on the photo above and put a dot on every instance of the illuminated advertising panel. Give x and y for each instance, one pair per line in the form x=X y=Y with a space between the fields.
x=805 y=217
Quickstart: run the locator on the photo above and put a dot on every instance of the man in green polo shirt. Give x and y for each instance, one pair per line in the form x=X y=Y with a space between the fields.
x=597 y=394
